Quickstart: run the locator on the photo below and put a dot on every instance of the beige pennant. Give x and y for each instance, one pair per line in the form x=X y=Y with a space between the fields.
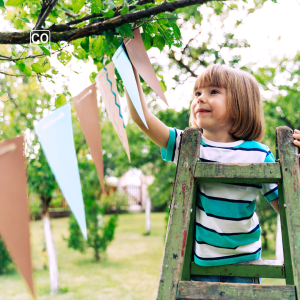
x=87 y=111
x=14 y=213
x=106 y=83
x=140 y=60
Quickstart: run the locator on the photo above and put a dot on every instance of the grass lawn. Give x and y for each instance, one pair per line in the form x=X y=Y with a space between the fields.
x=129 y=270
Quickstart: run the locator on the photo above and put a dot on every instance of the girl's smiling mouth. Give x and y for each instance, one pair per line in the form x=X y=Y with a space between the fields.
x=202 y=111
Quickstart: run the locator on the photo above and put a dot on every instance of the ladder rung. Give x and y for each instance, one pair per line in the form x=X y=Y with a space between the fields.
x=238 y=173
x=213 y=291
x=254 y=268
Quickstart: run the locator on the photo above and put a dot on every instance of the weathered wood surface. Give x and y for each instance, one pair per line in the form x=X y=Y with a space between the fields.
x=197 y=290
x=256 y=268
x=289 y=161
x=238 y=173
x=179 y=221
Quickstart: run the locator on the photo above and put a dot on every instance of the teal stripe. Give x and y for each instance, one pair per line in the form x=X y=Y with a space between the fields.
x=229 y=241
x=269 y=158
x=251 y=145
x=224 y=209
x=272 y=196
x=167 y=154
x=226 y=261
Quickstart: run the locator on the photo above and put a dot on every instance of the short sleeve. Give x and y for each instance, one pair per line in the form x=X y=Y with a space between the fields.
x=270 y=190
x=172 y=151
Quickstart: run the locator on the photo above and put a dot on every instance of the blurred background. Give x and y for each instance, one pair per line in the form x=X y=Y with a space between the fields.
x=127 y=224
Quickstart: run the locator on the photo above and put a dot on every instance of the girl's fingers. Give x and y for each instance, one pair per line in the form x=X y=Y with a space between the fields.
x=297 y=143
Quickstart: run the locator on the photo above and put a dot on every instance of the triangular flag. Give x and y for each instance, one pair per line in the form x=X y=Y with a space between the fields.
x=14 y=213
x=56 y=136
x=87 y=111
x=140 y=60
x=124 y=67
x=106 y=83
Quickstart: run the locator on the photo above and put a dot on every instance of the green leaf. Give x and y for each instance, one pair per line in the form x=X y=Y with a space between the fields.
x=26 y=47
x=125 y=31
x=96 y=6
x=163 y=86
x=111 y=4
x=60 y=100
x=77 y=5
x=92 y=77
x=41 y=68
x=14 y=2
x=176 y=30
x=97 y=47
x=108 y=13
x=45 y=50
x=64 y=57
x=2 y=4
x=54 y=71
x=23 y=68
x=147 y=39
x=25 y=20
x=54 y=46
x=125 y=8
x=158 y=42
x=85 y=44
x=172 y=18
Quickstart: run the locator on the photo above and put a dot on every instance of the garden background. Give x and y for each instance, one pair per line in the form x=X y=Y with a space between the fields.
x=119 y=261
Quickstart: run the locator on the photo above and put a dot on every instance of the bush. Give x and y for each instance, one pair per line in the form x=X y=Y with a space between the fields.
x=5 y=260
x=34 y=206
x=100 y=233
x=114 y=203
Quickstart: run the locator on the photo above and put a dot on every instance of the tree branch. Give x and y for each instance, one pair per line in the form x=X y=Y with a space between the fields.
x=97 y=29
x=47 y=7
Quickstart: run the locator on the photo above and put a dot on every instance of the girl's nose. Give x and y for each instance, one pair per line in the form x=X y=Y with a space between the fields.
x=201 y=98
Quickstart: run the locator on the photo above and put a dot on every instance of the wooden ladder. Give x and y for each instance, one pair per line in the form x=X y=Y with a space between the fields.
x=177 y=266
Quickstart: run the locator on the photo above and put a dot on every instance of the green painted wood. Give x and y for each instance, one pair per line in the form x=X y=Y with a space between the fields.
x=255 y=268
x=227 y=291
x=238 y=173
x=289 y=161
x=289 y=280
x=186 y=267
x=179 y=220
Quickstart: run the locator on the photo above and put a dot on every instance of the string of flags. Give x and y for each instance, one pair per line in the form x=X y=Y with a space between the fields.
x=55 y=134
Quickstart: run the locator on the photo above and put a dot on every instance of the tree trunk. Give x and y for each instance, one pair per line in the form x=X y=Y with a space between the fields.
x=147 y=215
x=279 y=249
x=53 y=267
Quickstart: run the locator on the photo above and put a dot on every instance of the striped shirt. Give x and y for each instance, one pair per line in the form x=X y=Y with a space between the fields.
x=227 y=230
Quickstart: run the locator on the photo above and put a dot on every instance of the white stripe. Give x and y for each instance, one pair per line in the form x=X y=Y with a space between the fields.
x=227 y=191
x=232 y=156
x=204 y=250
x=177 y=143
x=226 y=226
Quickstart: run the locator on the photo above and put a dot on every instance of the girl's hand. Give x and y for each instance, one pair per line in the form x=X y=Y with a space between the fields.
x=296 y=135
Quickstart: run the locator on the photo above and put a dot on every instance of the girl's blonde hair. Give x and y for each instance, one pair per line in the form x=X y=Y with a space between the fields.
x=244 y=103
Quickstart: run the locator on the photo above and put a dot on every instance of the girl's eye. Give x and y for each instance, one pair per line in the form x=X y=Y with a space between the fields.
x=198 y=94
x=214 y=92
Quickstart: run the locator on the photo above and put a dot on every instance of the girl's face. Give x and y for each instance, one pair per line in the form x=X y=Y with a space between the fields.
x=209 y=108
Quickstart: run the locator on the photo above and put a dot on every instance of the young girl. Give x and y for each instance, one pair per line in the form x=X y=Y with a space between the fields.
x=227 y=108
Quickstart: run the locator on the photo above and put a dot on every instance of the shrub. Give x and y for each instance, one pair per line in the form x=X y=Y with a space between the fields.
x=5 y=260
x=114 y=203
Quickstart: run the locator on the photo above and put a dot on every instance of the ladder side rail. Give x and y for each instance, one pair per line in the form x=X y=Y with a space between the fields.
x=254 y=268
x=178 y=234
x=196 y=290
x=290 y=209
x=238 y=172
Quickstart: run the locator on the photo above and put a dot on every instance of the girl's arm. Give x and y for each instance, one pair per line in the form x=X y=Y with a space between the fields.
x=158 y=132
x=296 y=135
x=275 y=205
